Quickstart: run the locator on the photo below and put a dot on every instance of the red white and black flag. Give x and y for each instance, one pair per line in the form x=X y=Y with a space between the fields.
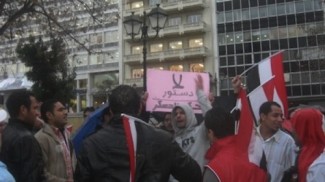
x=247 y=142
x=265 y=82
x=131 y=139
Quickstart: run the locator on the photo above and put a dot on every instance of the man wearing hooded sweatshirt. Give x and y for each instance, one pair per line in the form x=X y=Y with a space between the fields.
x=190 y=136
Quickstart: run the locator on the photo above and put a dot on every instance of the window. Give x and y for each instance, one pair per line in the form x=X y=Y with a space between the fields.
x=231 y=60
x=176 y=68
x=281 y=9
x=263 y=11
x=247 y=36
x=174 y=21
x=157 y=68
x=308 y=5
x=256 y=35
x=229 y=16
x=197 y=67
x=11 y=69
x=154 y=2
x=245 y=14
x=299 y=6
x=283 y=32
x=111 y=57
x=137 y=49
x=221 y=17
x=156 y=47
x=96 y=59
x=254 y=12
x=230 y=38
x=239 y=37
x=221 y=39
x=194 y=19
x=265 y=34
x=105 y=80
x=290 y=7
x=318 y=4
x=272 y=10
x=292 y=31
x=274 y=33
x=83 y=83
x=96 y=38
x=176 y=45
x=237 y=15
x=137 y=73
x=81 y=60
x=83 y=38
x=22 y=68
x=111 y=36
x=196 y=42
x=240 y=60
x=137 y=4
x=223 y=61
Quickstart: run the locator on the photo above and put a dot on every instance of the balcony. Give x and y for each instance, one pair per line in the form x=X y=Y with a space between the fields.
x=97 y=67
x=183 y=4
x=167 y=55
x=174 y=30
x=168 y=6
x=131 y=81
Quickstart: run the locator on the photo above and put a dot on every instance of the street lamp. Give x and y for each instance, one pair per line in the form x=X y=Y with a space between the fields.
x=133 y=24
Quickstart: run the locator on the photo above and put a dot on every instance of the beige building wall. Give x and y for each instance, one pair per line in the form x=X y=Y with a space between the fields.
x=185 y=44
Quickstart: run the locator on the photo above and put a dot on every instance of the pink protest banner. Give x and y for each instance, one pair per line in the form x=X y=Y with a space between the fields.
x=168 y=88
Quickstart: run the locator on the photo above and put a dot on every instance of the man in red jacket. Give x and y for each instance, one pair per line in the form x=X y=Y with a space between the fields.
x=228 y=153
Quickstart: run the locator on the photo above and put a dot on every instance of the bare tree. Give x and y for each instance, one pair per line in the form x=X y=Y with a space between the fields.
x=20 y=19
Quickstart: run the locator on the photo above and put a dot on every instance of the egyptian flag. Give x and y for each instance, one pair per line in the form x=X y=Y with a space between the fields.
x=247 y=142
x=131 y=140
x=265 y=82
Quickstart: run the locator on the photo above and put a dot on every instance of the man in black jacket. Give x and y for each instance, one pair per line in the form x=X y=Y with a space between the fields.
x=20 y=150
x=104 y=156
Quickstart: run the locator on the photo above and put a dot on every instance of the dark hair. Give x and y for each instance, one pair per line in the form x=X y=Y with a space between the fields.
x=88 y=109
x=265 y=108
x=47 y=106
x=220 y=122
x=124 y=99
x=18 y=99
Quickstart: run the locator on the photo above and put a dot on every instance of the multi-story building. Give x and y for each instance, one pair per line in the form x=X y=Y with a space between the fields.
x=96 y=72
x=250 y=30
x=222 y=37
x=184 y=44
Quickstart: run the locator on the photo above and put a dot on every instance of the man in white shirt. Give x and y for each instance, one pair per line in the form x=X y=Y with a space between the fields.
x=279 y=147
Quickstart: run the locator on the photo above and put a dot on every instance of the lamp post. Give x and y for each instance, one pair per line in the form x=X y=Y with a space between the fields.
x=133 y=24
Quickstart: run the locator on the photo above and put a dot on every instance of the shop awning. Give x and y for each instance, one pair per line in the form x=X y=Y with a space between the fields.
x=16 y=83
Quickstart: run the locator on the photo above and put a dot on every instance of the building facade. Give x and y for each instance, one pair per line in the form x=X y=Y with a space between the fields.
x=184 y=44
x=96 y=73
x=222 y=37
x=251 y=30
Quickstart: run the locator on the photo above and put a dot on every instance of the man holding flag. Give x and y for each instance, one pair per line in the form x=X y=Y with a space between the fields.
x=268 y=102
x=228 y=153
x=128 y=149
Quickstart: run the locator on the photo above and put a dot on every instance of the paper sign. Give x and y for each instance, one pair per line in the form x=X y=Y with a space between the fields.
x=168 y=88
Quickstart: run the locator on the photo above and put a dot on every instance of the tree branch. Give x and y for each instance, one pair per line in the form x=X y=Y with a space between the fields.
x=28 y=7
x=67 y=32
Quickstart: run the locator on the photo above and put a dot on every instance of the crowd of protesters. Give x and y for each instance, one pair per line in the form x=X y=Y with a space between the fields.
x=36 y=145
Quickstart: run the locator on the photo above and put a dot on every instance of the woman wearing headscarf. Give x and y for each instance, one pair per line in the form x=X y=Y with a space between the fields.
x=311 y=160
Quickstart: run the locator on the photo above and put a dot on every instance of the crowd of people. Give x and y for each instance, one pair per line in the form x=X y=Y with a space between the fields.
x=123 y=146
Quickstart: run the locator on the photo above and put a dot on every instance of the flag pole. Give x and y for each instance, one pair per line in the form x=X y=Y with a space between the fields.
x=255 y=64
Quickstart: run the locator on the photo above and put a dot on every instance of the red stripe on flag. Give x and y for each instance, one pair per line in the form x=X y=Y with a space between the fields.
x=129 y=140
x=245 y=123
x=268 y=88
x=279 y=82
